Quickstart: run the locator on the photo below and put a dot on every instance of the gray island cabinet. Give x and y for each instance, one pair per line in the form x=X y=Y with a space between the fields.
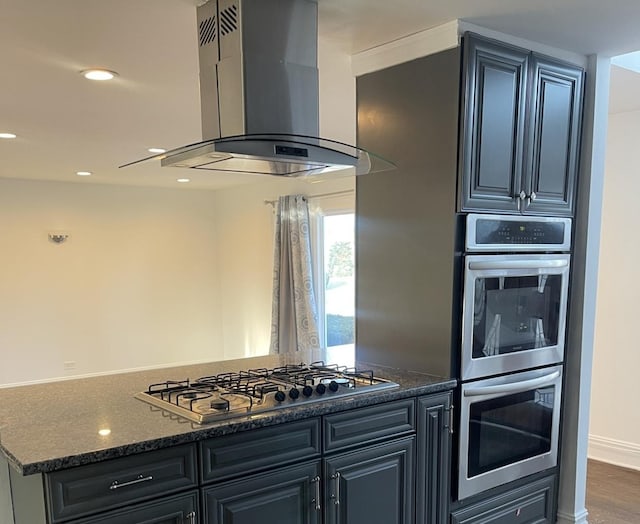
x=375 y=458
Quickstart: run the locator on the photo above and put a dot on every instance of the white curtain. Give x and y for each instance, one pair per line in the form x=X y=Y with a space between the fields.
x=294 y=319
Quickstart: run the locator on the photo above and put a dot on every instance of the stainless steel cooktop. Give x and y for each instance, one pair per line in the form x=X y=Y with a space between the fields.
x=227 y=395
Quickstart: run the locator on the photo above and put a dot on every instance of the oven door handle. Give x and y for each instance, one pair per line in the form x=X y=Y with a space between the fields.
x=512 y=387
x=518 y=264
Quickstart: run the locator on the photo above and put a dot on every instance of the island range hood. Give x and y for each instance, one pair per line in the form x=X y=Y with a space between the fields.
x=259 y=94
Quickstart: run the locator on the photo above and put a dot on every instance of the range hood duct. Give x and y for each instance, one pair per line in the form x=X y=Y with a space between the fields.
x=259 y=94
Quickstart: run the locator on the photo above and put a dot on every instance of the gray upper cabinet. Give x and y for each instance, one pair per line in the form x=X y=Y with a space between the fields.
x=520 y=130
x=493 y=125
x=553 y=138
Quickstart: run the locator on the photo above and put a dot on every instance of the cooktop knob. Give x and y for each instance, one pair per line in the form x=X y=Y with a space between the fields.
x=279 y=396
x=307 y=391
x=294 y=393
x=320 y=389
x=333 y=386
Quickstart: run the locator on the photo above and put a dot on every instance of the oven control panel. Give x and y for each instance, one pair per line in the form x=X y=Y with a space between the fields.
x=517 y=233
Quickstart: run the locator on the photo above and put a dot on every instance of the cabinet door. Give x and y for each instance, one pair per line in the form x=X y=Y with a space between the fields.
x=553 y=137
x=288 y=495
x=493 y=125
x=371 y=486
x=166 y=510
x=433 y=456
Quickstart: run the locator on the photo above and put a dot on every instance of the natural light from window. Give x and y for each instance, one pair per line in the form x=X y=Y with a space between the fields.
x=339 y=281
x=629 y=61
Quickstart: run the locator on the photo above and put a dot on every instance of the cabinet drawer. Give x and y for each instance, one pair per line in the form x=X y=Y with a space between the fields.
x=98 y=487
x=251 y=451
x=364 y=425
x=529 y=504
x=167 y=510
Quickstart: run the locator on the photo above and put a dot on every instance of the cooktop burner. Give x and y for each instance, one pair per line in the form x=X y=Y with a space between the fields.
x=226 y=395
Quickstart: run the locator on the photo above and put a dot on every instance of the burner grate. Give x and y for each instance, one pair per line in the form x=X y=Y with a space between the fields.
x=259 y=390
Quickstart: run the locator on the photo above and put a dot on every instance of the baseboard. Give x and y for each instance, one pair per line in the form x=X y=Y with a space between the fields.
x=612 y=451
x=103 y=373
x=578 y=518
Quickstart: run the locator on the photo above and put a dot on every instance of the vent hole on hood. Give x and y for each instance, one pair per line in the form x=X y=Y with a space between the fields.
x=207 y=31
x=228 y=20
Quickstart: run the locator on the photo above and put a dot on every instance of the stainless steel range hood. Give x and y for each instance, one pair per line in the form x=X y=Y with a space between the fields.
x=259 y=94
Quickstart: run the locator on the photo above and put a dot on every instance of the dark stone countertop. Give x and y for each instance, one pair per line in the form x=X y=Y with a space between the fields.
x=52 y=426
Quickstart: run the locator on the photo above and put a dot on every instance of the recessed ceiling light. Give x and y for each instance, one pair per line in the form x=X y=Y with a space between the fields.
x=83 y=173
x=104 y=432
x=7 y=135
x=98 y=74
x=183 y=180
x=156 y=150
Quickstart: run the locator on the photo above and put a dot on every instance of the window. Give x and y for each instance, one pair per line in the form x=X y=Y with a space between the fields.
x=334 y=271
x=339 y=279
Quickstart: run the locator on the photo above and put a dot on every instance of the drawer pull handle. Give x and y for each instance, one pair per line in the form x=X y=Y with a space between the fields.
x=192 y=517
x=141 y=478
x=316 y=501
x=336 y=495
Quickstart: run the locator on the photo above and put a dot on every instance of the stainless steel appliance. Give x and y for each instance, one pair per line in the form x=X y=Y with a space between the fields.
x=258 y=391
x=259 y=94
x=515 y=300
x=516 y=279
x=509 y=428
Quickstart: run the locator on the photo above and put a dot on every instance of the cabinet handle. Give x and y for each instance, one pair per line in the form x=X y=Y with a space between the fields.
x=535 y=264
x=336 y=496
x=192 y=517
x=451 y=419
x=521 y=198
x=316 y=501
x=511 y=387
x=141 y=478
x=531 y=198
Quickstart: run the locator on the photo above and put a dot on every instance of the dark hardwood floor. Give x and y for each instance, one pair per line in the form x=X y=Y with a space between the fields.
x=613 y=494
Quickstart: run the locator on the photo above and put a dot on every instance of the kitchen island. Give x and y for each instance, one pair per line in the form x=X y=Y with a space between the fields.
x=58 y=436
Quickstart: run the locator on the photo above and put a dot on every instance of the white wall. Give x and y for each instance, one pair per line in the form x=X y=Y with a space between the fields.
x=615 y=417
x=135 y=285
x=246 y=234
x=337 y=88
x=148 y=277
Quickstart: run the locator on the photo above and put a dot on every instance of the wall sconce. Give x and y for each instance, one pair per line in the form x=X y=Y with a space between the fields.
x=58 y=238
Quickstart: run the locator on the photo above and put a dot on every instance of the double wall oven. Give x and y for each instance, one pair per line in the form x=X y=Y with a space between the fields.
x=515 y=289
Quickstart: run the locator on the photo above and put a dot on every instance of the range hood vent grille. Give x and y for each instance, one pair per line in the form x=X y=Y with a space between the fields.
x=208 y=30
x=229 y=20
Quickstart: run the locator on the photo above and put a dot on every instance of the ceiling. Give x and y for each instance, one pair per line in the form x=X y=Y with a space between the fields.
x=65 y=123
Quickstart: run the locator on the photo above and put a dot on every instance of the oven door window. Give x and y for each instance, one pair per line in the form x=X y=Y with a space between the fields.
x=508 y=429
x=514 y=312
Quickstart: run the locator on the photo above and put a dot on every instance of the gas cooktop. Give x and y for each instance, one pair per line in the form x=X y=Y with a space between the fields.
x=227 y=395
